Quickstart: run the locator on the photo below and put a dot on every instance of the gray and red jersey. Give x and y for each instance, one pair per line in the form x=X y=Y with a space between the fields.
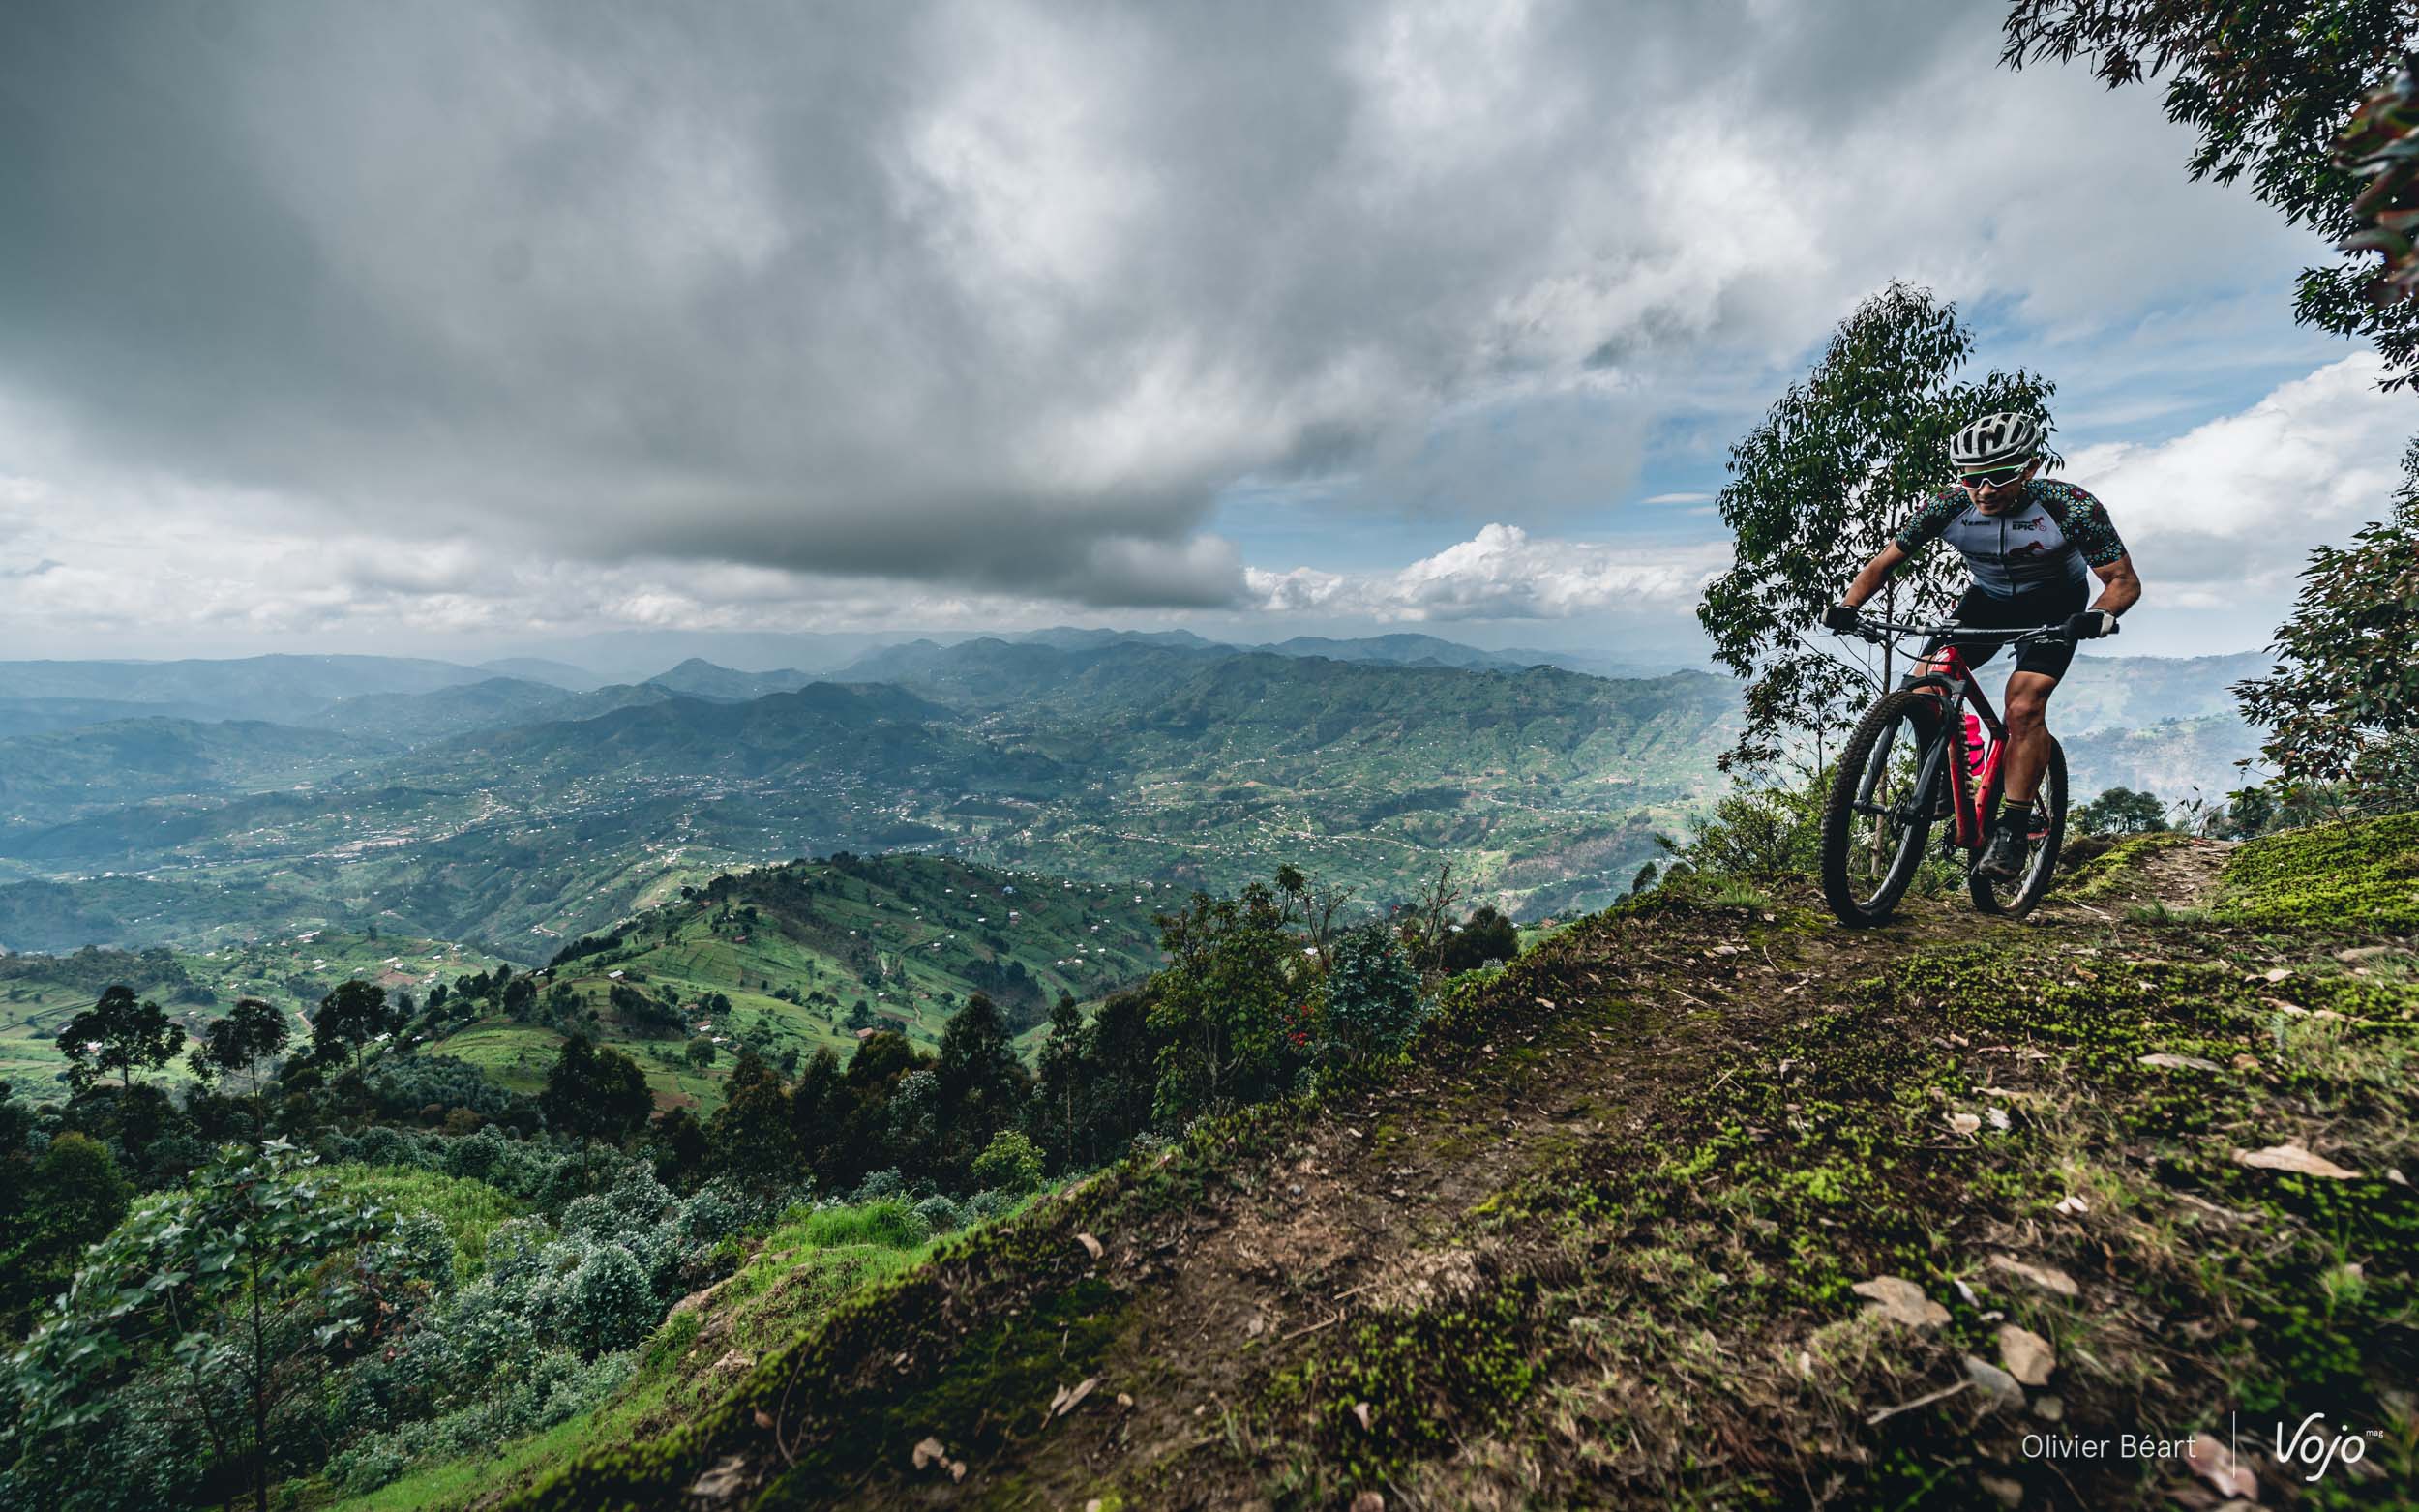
x=2053 y=534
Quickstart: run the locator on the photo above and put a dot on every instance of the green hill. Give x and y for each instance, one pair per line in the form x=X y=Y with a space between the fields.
x=38 y=994
x=788 y=958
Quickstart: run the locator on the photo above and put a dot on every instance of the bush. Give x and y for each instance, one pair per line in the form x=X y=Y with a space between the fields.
x=983 y=1206
x=939 y=1214
x=1372 y=992
x=609 y=1303
x=1010 y=1163
x=1762 y=834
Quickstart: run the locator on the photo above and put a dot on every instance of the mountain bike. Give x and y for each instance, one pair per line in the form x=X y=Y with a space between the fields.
x=1919 y=755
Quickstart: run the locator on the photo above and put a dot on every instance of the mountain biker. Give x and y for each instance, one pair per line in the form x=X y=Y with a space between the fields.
x=2031 y=545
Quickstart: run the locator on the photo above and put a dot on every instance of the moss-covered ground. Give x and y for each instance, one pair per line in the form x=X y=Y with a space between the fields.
x=1600 y=1240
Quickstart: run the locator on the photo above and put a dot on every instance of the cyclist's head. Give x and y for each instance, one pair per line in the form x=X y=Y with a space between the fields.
x=1994 y=454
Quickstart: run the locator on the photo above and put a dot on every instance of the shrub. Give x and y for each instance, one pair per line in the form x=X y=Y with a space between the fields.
x=1372 y=992
x=609 y=1303
x=939 y=1214
x=1009 y=1163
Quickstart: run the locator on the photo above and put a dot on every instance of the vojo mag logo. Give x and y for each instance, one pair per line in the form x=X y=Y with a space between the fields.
x=2313 y=1447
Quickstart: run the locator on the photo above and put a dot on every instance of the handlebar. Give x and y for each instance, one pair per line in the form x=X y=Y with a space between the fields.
x=1879 y=631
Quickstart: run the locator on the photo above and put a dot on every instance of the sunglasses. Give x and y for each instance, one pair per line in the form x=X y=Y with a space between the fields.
x=1993 y=478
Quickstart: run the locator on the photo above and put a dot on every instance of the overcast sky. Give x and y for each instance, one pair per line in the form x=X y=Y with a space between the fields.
x=457 y=328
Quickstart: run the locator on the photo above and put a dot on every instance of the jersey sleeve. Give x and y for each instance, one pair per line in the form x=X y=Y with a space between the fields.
x=1926 y=525
x=2086 y=523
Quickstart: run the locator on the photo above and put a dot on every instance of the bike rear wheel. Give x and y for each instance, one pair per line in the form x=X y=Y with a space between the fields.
x=2021 y=893
x=1874 y=822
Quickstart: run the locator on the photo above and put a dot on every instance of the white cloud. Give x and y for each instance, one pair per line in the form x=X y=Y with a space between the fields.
x=2225 y=513
x=1501 y=574
x=995 y=300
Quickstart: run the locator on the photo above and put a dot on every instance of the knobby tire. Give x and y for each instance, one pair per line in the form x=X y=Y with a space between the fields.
x=1840 y=815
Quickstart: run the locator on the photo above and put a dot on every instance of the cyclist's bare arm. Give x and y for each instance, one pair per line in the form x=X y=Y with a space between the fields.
x=2120 y=587
x=1868 y=577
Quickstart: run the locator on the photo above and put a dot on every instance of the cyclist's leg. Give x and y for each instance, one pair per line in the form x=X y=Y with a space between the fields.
x=2027 y=711
x=2026 y=707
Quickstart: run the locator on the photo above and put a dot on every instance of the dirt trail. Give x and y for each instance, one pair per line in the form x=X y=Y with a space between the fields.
x=1368 y=1210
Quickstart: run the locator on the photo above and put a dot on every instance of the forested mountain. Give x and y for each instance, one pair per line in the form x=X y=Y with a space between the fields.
x=699 y=678
x=502 y=809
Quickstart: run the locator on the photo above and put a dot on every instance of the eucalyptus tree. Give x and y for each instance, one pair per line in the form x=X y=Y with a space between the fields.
x=1838 y=464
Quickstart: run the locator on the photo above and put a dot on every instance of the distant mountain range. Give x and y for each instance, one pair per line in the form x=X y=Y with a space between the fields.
x=451 y=801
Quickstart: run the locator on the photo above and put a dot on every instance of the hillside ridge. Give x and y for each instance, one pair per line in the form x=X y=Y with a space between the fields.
x=1599 y=1242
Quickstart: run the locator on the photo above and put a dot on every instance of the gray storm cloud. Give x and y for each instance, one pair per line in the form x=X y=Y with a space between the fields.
x=983 y=295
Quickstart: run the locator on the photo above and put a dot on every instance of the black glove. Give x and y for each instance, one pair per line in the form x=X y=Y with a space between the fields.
x=1841 y=617
x=2090 y=624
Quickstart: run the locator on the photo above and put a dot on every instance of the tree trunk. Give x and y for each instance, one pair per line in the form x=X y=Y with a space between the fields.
x=260 y=1401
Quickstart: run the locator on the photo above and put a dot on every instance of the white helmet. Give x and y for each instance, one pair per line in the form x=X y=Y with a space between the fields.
x=1996 y=441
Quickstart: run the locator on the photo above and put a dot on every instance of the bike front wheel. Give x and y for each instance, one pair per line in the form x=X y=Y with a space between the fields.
x=1874 y=822
x=2021 y=893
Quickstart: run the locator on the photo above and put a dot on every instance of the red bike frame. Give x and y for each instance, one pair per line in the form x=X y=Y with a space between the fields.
x=1973 y=788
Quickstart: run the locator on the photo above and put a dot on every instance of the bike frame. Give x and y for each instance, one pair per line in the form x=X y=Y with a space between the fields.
x=1958 y=688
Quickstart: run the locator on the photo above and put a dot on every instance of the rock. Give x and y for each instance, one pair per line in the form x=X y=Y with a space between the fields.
x=1091 y=1246
x=1998 y=1117
x=2180 y=1062
x=1964 y=1123
x=927 y=1451
x=727 y=1479
x=731 y=1363
x=1992 y=1384
x=1369 y=1501
x=2295 y=1159
x=2275 y=974
x=2026 y=1354
x=2007 y=1493
x=2046 y=1277
x=1903 y=1301
x=2049 y=1409
x=2216 y=1464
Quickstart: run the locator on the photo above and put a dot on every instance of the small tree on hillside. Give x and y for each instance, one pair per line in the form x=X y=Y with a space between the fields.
x=1834 y=471
x=1058 y=1081
x=2121 y=811
x=1489 y=935
x=349 y=1018
x=252 y=1032
x=1372 y=991
x=1009 y=1163
x=598 y=1092
x=119 y=1036
x=750 y=1137
x=1222 y=1008
x=983 y=1084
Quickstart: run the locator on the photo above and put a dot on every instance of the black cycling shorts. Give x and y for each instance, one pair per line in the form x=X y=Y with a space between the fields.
x=2029 y=610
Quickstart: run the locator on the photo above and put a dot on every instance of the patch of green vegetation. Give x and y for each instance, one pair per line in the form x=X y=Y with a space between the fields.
x=2119 y=869
x=2355 y=873
x=469 y=1209
x=811 y=1262
x=1405 y=1388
